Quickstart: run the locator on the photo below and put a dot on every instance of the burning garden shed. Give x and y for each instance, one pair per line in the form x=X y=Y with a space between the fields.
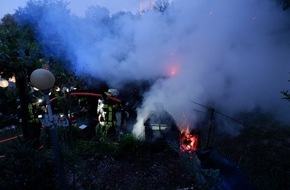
x=160 y=127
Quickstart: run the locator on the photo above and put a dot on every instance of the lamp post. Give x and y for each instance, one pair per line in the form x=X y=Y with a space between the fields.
x=44 y=80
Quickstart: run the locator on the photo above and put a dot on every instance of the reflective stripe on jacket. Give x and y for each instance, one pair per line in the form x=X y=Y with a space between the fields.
x=110 y=119
x=31 y=114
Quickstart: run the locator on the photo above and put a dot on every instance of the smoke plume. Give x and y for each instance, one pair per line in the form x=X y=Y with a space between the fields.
x=234 y=54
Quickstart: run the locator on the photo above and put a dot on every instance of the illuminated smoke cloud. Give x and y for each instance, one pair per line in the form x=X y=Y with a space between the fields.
x=234 y=54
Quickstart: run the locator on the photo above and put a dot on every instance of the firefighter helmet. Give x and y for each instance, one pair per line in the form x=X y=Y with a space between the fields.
x=112 y=92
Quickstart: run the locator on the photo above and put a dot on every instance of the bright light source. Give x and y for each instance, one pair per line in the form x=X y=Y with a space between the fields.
x=12 y=79
x=4 y=83
x=36 y=89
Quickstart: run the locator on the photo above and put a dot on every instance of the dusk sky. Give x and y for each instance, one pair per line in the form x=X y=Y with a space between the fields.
x=79 y=7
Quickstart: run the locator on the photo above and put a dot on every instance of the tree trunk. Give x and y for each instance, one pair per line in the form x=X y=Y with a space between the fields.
x=21 y=84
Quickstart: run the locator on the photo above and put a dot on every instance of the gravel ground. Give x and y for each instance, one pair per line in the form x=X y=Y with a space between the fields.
x=157 y=171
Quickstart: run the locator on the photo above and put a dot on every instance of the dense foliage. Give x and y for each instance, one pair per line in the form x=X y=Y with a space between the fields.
x=260 y=151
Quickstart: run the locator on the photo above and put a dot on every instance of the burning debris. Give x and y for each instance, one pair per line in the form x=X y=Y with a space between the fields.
x=188 y=141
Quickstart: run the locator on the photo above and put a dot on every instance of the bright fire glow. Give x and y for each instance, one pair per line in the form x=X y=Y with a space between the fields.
x=188 y=141
x=172 y=70
x=173 y=64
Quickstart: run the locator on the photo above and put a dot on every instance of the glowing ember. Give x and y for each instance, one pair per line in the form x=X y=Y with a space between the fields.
x=188 y=141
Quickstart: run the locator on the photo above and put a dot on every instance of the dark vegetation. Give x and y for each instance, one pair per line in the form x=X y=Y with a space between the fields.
x=260 y=151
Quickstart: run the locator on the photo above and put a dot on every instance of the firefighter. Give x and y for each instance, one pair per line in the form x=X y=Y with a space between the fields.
x=107 y=109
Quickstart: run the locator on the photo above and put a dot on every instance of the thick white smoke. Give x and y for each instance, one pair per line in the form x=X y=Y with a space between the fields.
x=232 y=53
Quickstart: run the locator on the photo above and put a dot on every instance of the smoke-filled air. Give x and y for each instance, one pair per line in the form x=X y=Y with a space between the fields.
x=233 y=54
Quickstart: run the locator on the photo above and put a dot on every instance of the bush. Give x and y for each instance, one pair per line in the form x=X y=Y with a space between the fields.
x=23 y=167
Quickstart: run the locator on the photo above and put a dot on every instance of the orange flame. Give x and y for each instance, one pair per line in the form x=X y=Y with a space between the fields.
x=188 y=140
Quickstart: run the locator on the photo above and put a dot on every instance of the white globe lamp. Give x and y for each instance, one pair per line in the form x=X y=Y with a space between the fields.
x=4 y=83
x=42 y=79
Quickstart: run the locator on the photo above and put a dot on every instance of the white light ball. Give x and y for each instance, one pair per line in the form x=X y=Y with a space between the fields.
x=4 y=83
x=42 y=79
